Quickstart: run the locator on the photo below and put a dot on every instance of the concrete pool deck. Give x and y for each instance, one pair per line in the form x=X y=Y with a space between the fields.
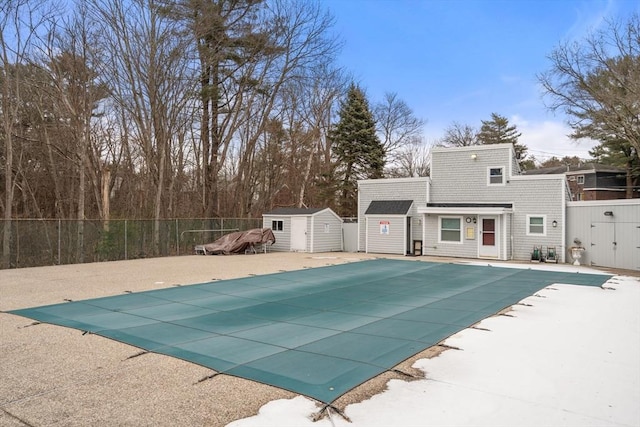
x=55 y=375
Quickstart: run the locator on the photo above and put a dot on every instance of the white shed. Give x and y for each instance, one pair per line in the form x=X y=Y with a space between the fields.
x=305 y=230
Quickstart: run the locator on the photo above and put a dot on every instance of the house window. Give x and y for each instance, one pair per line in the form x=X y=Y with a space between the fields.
x=496 y=176
x=536 y=225
x=277 y=225
x=451 y=229
x=580 y=179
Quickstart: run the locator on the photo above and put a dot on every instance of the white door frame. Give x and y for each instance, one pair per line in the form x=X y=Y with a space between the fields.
x=298 y=237
x=489 y=251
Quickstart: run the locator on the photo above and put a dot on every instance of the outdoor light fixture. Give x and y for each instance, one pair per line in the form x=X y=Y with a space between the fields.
x=608 y=213
x=474 y=156
x=554 y=223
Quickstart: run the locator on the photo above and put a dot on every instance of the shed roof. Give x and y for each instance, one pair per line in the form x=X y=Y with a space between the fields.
x=294 y=211
x=389 y=207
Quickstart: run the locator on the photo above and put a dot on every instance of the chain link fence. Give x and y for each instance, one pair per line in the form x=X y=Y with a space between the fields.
x=39 y=242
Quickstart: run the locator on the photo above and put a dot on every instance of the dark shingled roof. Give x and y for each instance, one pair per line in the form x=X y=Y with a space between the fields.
x=572 y=169
x=389 y=207
x=470 y=205
x=294 y=211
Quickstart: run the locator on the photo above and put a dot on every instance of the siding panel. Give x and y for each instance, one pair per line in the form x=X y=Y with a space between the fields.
x=392 y=189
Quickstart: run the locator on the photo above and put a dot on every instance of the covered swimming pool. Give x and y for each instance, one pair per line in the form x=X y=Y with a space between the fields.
x=318 y=332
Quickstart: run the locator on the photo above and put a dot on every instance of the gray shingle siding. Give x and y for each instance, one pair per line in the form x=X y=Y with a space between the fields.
x=283 y=238
x=324 y=240
x=392 y=243
x=457 y=177
x=460 y=176
x=317 y=240
x=391 y=189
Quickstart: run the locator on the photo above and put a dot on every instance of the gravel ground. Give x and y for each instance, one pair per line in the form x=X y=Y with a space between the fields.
x=52 y=375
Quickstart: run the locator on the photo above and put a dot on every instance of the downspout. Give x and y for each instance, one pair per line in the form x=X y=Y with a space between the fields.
x=358 y=249
x=424 y=218
x=565 y=191
x=312 y=228
x=366 y=235
x=511 y=234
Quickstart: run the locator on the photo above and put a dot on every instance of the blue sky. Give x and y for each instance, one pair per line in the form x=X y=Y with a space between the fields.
x=461 y=60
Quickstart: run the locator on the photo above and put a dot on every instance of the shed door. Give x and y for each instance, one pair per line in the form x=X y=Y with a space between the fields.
x=299 y=234
x=603 y=244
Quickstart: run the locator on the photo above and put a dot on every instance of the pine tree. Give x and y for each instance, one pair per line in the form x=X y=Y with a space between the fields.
x=358 y=151
x=499 y=131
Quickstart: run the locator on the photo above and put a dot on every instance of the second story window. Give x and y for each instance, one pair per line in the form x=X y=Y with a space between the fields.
x=580 y=179
x=496 y=176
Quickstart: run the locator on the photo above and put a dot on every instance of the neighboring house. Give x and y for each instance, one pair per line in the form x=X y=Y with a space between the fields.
x=475 y=204
x=304 y=230
x=591 y=181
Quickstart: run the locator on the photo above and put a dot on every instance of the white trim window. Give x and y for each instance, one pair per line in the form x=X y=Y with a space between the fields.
x=536 y=225
x=450 y=229
x=580 y=180
x=495 y=175
x=277 y=225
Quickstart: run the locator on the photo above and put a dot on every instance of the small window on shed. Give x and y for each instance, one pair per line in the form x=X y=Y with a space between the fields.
x=277 y=225
x=580 y=179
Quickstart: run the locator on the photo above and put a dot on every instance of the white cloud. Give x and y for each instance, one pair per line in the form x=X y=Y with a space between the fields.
x=547 y=138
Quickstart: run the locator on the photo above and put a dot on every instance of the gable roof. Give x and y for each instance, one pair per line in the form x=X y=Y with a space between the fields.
x=389 y=207
x=294 y=211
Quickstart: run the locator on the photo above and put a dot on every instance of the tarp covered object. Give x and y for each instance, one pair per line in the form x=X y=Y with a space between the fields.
x=239 y=242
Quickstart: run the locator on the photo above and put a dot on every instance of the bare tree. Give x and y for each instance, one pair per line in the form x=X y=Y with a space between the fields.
x=20 y=23
x=248 y=51
x=396 y=123
x=459 y=135
x=412 y=161
x=151 y=81
x=596 y=82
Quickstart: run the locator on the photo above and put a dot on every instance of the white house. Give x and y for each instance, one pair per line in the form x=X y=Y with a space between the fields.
x=305 y=230
x=475 y=204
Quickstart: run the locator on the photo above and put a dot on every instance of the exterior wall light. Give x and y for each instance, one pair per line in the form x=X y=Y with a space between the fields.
x=474 y=156
x=554 y=224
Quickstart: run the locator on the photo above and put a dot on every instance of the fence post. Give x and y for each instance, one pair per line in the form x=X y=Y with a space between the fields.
x=177 y=239
x=125 y=240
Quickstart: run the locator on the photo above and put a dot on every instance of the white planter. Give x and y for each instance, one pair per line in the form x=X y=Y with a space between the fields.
x=576 y=254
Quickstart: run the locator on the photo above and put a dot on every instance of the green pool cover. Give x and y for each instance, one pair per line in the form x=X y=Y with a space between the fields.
x=318 y=332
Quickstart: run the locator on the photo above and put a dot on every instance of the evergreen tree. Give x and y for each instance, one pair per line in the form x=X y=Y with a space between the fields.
x=357 y=149
x=619 y=153
x=499 y=131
